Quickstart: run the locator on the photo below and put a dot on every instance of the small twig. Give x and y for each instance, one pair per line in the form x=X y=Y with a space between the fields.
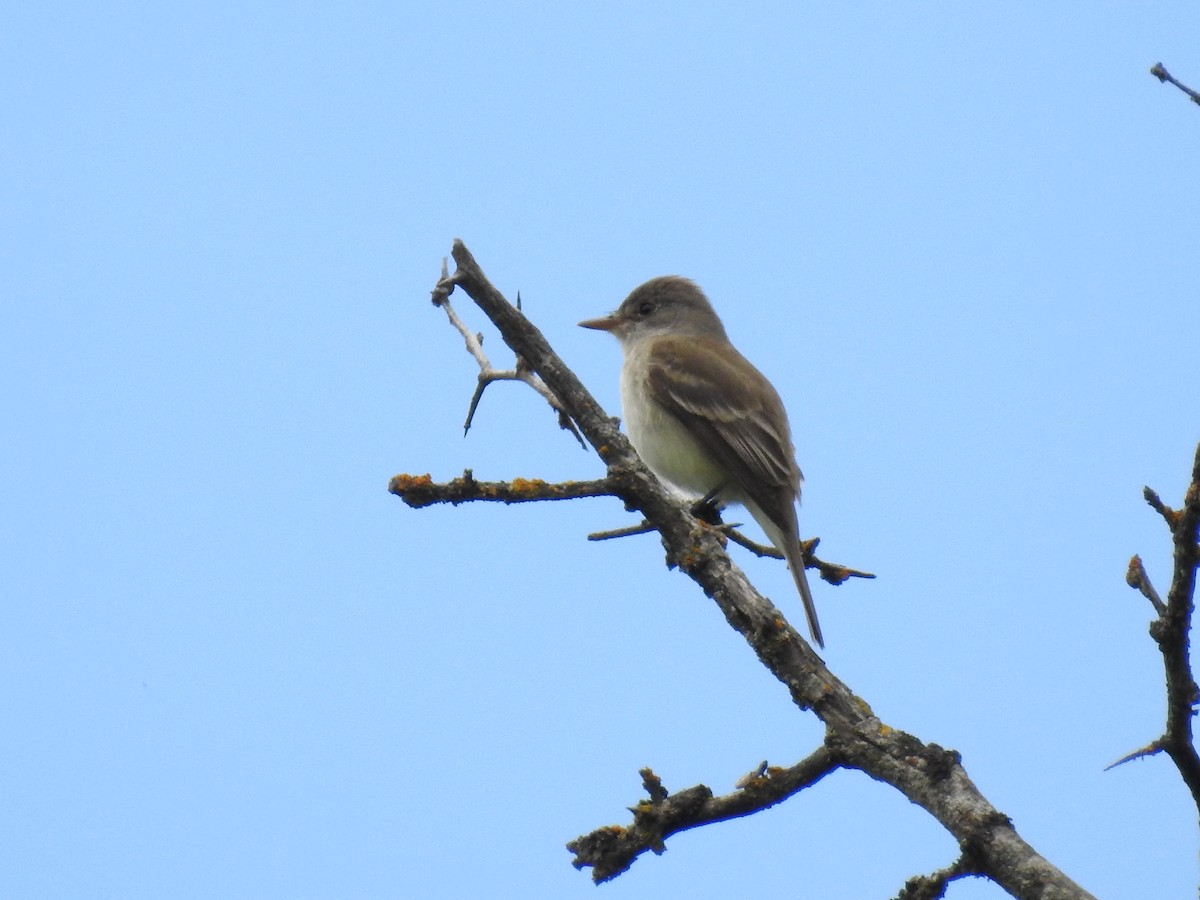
x=1150 y=749
x=487 y=372
x=1163 y=75
x=1136 y=577
x=445 y=287
x=708 y=512
x=762 y=551
x=419 y=491
x=1171 y=630
x=653 y=786
x=1169 y=515
x=831 y=573
x=708 y=509
x=611 y=850
x=643 y=528
x=933 y=886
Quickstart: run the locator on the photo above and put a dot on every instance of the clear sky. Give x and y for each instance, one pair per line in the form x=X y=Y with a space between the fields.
x=961 y=239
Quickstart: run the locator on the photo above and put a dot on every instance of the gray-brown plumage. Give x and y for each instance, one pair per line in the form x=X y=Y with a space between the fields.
x=703 y=418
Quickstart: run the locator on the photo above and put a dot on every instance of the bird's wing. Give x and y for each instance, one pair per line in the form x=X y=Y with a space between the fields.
x=732 y=409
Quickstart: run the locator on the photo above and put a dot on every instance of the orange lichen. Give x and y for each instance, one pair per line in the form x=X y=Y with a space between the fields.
x=404 y=482
x=527 y=485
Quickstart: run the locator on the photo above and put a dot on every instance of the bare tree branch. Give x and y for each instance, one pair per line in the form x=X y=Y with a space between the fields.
x=487 y=372
x=1137 y=578
x=933 y=887
x=1140 y=753
x=831 y=573
x=611 y=850
x=419 y=491
x=926 y=774
x=1171 y=630
x=1163 y=75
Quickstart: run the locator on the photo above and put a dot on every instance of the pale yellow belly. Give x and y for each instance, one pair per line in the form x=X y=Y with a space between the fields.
x=667 y=447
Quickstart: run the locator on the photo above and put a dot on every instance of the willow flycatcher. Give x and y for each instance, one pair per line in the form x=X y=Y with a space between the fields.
x=702 y=418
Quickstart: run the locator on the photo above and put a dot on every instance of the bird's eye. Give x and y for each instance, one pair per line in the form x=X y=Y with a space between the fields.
x=646 y=308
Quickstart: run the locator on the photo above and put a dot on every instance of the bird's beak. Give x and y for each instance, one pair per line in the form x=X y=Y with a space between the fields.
x=604 y=323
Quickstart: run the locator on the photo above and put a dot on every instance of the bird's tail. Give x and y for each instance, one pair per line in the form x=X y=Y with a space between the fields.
x=795 y=561
x=785 y=538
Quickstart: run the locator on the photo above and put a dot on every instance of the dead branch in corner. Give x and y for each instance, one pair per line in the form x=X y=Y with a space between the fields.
x=1171 y=629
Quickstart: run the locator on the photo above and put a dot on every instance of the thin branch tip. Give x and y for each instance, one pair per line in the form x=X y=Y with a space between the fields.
x=487 y=372
x=612 y=849
x=1159 y=71
x=1172 y=625
x=1151 y=749
x=1136 y=578
x=419 y=491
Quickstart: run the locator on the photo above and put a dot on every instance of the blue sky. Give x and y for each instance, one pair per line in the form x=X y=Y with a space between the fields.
x=961 y=241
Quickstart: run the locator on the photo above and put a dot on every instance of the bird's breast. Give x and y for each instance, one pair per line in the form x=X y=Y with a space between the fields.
x=664 y=443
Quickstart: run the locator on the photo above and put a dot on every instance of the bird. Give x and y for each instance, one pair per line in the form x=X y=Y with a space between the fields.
x=703 y=418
